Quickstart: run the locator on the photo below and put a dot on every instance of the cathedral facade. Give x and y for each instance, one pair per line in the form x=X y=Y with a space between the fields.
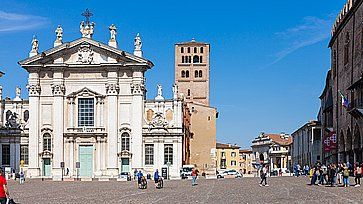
x=88 y=114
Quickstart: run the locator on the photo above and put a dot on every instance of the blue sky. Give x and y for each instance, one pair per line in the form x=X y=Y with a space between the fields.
x=268 y=58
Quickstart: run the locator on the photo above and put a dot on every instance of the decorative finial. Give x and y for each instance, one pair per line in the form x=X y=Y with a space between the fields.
x=59 y=36
x=35 y=47
x=138 y=45
x=193 y=39
x=87 y=27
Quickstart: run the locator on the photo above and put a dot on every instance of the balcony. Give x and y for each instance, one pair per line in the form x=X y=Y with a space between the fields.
x=356 y=108
x=85 y=131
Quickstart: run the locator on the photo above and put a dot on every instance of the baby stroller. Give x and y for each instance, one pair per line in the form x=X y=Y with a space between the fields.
x=160 y=183
x=143 y=183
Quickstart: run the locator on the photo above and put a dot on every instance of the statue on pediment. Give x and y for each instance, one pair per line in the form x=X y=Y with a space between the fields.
x=59 y=34
x=113 y=32
x=137 y=42
x=86 y=29
x=35 y=44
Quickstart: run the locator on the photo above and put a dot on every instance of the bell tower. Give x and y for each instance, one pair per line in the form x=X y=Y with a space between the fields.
x=192 y=71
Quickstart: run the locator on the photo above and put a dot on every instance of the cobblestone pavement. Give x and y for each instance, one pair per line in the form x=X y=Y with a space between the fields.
x=245 y=190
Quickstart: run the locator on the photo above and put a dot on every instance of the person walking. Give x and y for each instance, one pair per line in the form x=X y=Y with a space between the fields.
x=264 y=176
x=4 y=192
x=21 y=177
x=194 y=176
x=139 y=176
x=156 y=177
x=357 y=174
x=314 y=176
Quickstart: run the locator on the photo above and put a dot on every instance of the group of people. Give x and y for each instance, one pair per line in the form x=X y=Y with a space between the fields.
x=334 y=174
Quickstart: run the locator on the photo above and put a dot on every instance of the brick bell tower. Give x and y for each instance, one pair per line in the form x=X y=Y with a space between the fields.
x=192 y=71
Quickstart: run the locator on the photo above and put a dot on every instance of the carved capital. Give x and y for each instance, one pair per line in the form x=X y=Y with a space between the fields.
x=137 y=89
x=112 y=89
x=58 y=89
x=34 y=89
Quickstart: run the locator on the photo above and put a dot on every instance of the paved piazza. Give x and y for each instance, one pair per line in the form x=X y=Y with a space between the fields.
x=245 y=190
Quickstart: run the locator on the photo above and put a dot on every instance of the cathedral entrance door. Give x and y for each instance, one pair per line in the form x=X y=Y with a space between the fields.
x=86 y=161
x=125 y=165
x=46 y=167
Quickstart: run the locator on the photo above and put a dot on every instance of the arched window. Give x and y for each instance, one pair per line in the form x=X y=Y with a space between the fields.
x=182 y=49
x=188 y=92
x=201 y=50
x=125 y=141
x=182 y=59
x=187 y=74
x=26 y=116
x=188 y=49
x=201 y=59
x=195 y=59
x=47 y=142
x=190 y=59
x=196 y=74
x=195 y=50
x=200 y=73
x=183 y=74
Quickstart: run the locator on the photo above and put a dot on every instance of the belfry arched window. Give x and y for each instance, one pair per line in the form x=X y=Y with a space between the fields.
x=200 y=59
x=125 y=141
x=183 y=74
x=195 y=59
x=195 y=50
x=187 y=74
x=47 y=142
x=200 y=73
x=196 y=74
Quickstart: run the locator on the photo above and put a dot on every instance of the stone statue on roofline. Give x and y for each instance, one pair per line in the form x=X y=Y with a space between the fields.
x=59 y=34
x=138 y=43
x=35 y=44
x=113 y=32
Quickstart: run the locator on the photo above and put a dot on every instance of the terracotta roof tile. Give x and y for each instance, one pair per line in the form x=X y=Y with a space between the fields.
x=279 y=140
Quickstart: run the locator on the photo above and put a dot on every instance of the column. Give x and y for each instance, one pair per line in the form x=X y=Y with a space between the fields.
x=112 y=90
x=99 y=150
x=101 y=111
x=58 y=90
x=137 y=90
x=34 y=95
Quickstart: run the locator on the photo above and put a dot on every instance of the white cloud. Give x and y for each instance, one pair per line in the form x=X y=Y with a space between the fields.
x=17 y=22
x=312 y=30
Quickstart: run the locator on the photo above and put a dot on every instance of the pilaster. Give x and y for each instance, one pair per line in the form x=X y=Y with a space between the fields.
x=137 y=90
x=58 y=90
x=112 y=90
x=34 y=96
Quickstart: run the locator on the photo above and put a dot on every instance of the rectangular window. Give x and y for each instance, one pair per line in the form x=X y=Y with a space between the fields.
x=86 y=112
x=6 y=154
x=149 y=154
x=233 y=163
x=182 y=49
x=201 y=50
x=24 y=153
x=233 y=154
x=168 y=154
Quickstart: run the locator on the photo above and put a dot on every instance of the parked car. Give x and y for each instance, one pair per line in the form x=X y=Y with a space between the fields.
x=231 y=172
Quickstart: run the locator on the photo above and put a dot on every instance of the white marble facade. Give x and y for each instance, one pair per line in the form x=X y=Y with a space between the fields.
x=87 y=104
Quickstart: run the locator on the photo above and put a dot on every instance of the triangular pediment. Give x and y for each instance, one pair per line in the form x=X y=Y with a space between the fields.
x=84 y=51
x=85 y=92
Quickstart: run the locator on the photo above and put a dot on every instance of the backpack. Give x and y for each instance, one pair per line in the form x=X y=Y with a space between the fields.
x=346 y=172
x=359 y=170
